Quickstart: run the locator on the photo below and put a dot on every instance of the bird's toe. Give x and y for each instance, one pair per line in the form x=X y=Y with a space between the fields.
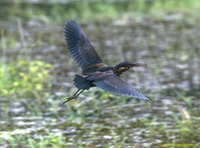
x=69 y=99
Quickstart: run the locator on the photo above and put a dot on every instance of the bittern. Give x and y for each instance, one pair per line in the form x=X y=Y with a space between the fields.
x=94 y=71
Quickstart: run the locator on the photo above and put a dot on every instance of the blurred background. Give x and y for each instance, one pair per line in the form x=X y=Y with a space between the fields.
x=36 y=74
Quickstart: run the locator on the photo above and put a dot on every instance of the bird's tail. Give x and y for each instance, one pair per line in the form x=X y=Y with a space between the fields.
x=81 y=83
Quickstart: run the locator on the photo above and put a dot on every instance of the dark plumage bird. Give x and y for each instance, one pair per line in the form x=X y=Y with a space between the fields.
x=95 y=71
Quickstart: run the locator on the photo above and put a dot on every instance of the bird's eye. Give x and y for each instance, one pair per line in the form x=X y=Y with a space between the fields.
x=123 y=68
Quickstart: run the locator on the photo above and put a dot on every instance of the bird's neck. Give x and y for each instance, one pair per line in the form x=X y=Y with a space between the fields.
x=117 y=73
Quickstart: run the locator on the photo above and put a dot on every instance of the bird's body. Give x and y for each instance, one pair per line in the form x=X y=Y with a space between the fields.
x=95 y=71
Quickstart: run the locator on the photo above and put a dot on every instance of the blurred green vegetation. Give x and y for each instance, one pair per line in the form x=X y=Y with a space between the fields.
x=96 y=10
x=24 y=79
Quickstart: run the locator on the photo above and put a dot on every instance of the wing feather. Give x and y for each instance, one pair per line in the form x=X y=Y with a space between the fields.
x=116 y=85
x=79 y=46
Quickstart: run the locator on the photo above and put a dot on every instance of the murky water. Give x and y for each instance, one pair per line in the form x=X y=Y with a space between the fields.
x=169 y=45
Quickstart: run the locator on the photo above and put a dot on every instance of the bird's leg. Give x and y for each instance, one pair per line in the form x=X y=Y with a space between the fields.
x=139 y=65
x=80 y=92
x=72 y=97
x=75 y=95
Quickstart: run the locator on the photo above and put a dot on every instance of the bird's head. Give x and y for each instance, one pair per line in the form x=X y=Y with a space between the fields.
x=124 y=66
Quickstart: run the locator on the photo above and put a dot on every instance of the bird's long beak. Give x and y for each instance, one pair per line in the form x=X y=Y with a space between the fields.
x=139 y=65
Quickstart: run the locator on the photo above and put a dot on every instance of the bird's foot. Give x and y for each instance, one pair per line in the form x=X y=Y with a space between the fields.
x=69 y=99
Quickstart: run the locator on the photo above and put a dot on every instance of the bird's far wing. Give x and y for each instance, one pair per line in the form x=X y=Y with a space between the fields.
x=114 y=84
x=79 y=46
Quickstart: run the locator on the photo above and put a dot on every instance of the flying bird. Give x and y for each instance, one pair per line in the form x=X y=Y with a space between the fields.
x=94 y=71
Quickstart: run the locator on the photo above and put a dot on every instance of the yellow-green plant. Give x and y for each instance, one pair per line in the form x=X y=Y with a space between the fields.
x=24 y=79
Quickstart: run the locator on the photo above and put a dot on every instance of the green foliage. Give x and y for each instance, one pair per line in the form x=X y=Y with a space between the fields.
x=24 y=79
x=174 y=5
x=52 y=141
x=19 y=137
x=86 y=10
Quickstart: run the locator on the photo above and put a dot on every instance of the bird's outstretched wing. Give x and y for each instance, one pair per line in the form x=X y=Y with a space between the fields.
x=79 y=46
x=114 y=84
